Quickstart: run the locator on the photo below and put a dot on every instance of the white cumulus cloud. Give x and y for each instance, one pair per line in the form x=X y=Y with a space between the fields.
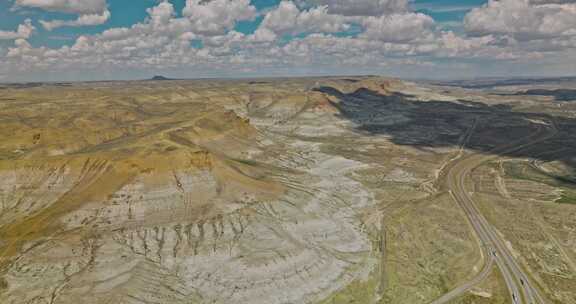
x=360 y=7
x=82 y=20
x=523 y=19
x=23 y=31
x=398 y=27
x=217 y=16
x=90 y=12
x=287 y=18
x=66 y=6
x=316 y=35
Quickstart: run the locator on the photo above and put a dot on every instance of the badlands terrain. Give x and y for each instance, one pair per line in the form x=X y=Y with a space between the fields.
x=316 y=190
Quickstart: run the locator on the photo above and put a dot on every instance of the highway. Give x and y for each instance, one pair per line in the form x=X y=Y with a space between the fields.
x=493 y=247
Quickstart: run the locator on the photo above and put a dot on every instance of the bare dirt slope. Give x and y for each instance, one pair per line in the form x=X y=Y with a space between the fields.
x=319 y=190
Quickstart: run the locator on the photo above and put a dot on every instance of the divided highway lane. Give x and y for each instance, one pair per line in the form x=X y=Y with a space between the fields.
x=494 y=248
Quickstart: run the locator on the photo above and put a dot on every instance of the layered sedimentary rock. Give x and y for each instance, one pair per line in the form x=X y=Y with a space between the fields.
x=319 y=190
x=118 y=197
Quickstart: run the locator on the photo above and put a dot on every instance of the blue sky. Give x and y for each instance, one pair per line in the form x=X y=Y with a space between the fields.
x=402 y=37
x=126 y=13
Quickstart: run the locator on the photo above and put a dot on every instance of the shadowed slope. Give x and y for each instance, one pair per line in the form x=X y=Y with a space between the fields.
x=437 y=124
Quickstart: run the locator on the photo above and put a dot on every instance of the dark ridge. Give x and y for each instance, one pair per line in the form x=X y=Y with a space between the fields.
x=491 y=83
x=160 y=78
x=22 y=85
x=435 y=124
x=558 y=94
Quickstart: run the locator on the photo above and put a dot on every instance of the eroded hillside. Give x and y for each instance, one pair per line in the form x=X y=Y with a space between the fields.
x=316 y=190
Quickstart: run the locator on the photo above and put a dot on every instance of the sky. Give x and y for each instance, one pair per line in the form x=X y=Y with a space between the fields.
x=77 y=40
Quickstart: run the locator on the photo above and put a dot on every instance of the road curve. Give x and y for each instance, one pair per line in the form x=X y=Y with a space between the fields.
x=494 y=248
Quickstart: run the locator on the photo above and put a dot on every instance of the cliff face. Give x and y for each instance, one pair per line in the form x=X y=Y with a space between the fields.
x=67 y=149
x=211 y=192
x=317 y=190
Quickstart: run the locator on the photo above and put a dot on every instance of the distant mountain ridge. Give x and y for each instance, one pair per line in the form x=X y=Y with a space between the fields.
x=159 y=77
x=485 y=83
x=558 y=94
